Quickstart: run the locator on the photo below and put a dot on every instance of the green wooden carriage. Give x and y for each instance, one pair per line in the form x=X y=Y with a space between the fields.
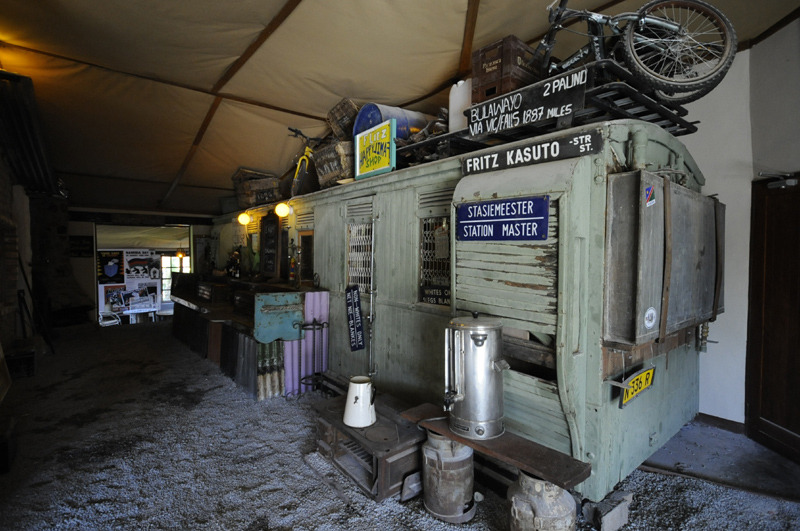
x=583 y=309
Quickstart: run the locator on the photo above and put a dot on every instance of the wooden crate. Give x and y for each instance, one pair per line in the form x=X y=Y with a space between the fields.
x=255 y=188
x=501 y=67
x=334 y=162
x=341 y=119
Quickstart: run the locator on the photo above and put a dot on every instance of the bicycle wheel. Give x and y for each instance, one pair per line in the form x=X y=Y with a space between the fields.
x=680 y=98
x=693 y=59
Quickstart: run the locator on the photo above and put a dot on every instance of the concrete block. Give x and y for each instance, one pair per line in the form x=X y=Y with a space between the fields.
x=611 y=513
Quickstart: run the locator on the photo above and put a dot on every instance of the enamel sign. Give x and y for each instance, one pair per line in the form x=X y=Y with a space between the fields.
x=375 y=150
x=520 y=219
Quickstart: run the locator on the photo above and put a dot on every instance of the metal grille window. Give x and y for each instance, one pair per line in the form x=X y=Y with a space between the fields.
x=434 y=263
x=359 y=255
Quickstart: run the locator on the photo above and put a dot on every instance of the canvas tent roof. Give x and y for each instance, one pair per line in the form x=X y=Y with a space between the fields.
x=154 y=105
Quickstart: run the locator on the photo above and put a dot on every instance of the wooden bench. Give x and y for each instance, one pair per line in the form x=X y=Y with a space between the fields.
x=532 y=458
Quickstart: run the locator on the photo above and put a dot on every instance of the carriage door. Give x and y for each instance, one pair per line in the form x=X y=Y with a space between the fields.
x=772 y=415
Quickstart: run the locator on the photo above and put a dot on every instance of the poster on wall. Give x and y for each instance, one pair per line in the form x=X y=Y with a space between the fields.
x=141 y=265
x=120 y=298
x=110 y=267
x=129 y=280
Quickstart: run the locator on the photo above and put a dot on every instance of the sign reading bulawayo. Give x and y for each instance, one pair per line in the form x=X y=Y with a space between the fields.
x=518 y=218
x=565 y=147
x=375 y=150
x=551 y=99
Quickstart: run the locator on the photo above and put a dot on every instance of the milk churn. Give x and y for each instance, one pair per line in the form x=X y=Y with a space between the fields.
x=539 y=505
x=474 y=376
x=448 y=479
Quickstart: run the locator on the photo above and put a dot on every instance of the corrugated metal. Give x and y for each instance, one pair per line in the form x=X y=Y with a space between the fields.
x=309 y=356
x=247 y=365
x=270 y=370
x=516 y=281
x=533 y=410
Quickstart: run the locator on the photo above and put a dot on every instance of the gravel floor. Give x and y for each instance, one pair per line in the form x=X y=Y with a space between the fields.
x=126 y=428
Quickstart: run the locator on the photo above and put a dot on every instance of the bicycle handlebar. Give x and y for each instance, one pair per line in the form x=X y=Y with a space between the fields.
x=306 y=139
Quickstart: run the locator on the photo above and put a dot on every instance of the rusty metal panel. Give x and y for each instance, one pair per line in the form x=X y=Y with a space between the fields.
x=636 y=259
x=516 y=281
x=276 y=314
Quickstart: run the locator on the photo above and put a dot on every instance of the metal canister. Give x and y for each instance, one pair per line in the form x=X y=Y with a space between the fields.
x=448 y=479
x=540 y=506
x=474 y=376
x=407 y=122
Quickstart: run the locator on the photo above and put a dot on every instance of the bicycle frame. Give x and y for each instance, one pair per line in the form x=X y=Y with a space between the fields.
x=305 y=156
x=596 y=24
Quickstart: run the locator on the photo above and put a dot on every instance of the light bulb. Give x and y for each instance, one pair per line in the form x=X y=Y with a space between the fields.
x=244 y=218
x=282 y=210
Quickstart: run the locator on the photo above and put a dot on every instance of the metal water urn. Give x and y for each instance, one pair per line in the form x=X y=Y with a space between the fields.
x=474 y=376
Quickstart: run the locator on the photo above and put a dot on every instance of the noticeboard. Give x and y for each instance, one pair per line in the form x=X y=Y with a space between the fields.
x=376 y=150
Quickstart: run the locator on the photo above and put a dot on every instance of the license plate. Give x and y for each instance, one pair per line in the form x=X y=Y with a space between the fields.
x=635 y=385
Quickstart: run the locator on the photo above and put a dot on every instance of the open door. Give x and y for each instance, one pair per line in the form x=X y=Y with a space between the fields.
x=772 y=415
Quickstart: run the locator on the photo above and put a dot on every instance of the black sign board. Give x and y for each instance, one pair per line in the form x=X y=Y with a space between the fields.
x=514 y=219
x=270 y=245
x=354 y=323
x=566 y=147
x=554 y=98
x=435 y=295
x=81 y=246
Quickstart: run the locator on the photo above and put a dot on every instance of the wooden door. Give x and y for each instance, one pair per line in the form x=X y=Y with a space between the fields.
x=772 y=415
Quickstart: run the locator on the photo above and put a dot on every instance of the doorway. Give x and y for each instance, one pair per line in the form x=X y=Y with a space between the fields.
x=772 y=414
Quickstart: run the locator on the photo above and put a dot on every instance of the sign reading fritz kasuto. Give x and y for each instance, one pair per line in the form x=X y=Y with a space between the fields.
x=566 y=147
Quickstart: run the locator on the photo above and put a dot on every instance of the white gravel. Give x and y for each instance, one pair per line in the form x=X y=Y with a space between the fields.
x=126 y=428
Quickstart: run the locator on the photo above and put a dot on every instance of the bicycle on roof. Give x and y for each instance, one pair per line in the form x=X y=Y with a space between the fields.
x=681 y=49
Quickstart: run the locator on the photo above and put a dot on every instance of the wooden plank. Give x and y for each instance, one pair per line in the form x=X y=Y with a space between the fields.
x=531 y=259
x=539 y=312
x=529 y=351
x=532 y=458
x=537 y=435
x=518 y=286
x=548 y=412
x=531 y=385
x=537 y=422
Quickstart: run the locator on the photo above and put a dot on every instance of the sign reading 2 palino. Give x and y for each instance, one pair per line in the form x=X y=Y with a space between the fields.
x=514 y=219
x=548 y=100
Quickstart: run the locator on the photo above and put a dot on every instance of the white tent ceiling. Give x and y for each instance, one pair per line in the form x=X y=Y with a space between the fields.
x=161 y=238
x=153 y=105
